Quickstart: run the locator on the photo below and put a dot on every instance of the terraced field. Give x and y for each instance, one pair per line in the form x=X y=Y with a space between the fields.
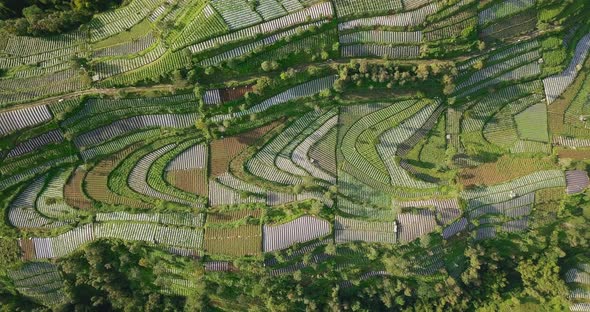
x=342 y=147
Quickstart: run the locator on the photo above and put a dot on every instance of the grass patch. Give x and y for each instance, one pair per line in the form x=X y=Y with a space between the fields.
x=532 y=123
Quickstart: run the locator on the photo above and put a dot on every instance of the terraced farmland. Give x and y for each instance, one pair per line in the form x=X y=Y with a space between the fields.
x=295 y=155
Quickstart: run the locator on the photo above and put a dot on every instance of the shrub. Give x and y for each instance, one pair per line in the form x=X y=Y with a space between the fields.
x=554 y=58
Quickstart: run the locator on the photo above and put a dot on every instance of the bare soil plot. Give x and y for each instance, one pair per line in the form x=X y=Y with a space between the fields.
x=505 y=169
x=224 y=150
x=73 y=193
x=193 y=181
x=239 y=241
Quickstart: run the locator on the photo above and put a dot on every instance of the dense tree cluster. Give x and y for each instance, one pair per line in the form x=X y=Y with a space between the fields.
x=115 y=276
x=9 y=252
x=360 y=72
x=43 y=17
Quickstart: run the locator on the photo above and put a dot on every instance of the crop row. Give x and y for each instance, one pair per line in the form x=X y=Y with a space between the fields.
x=323 y=152
x=110 y=23
x=100 y=106
x=124 y=126
x=13 y=120
x=394 y=52
x=412 y=18
x=96 y=181
x=571 y=142
x=51 y=201
x=51 y=137
x=576 y=181
x=178 y=219
x=522 y=72
x=195 y=157
x=157 y=173
x=245 y=49
x=308 y=248
x=41 y=281
x=362 y=7
x=349 y=230
x=264 y=165
x=240 y=241
x=127 y=48
x=523 y=146
x=415 y=225
x=312 y=46
x=119 y=143
x=555 y=85
x=496 y=69
x=23 y=46
x=454 y=228
x=485 y=107
x=64 y=244
x=26 y=89
x=233 y=191
x=169 y=62
x=450 y=31
x=270 y=9
x=229 y=190
x=503 y=130
x=352 y=145
x=317 y=11
x=514 y=50
x=577 y=276
x=363 y=209
x=506 y=207
x=504 y=9
x=22 y=212
x=7 y=182
x=117 y=66
x=502 y=192
x=391 y=139
x=291 y=5
x=98 y=120
x=286 y=158
x=303 y=90
x=43 y=59
x=532 y=123
x=448 y=209
x=206 y=24
x=301 y=156
x=381 y=36
x=302 y=229
x=15 y=85
x=237 y=13
x=138 y=178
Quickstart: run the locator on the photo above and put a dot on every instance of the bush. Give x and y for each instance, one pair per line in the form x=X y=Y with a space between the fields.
x=554 y=58
x=551 y=43
x=9 y=252
x=468 y=32
x=268 y=66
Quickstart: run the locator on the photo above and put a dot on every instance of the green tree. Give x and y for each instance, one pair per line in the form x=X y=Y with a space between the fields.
x=266 y=66
x=481 y=45
x=9 y=253
x=540 y=276
x=262 y=84
x=422 y=71
x=290 y=73
x=338 y=85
